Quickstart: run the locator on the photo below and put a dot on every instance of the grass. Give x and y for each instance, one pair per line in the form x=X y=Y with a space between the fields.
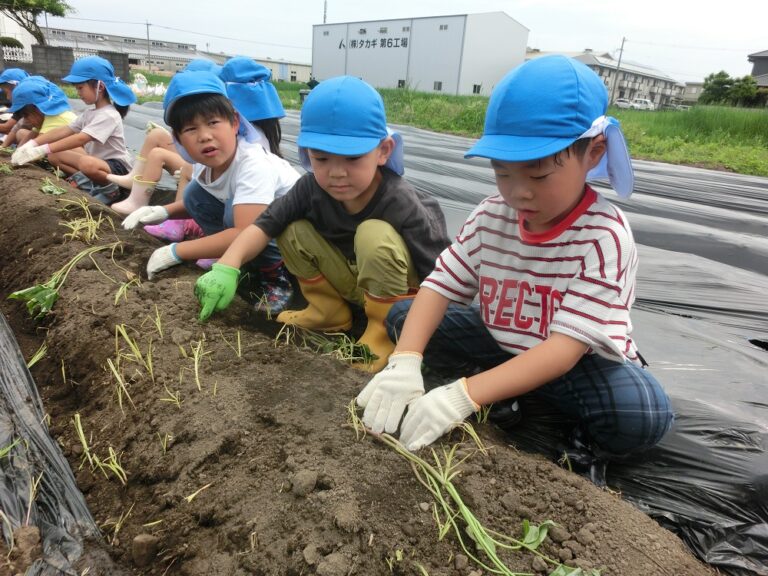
x=716 y=137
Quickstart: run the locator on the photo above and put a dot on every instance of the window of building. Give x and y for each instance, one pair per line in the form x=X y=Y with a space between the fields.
x=156 y=43
x=401 y=83
x=58 y=33
x=129 y=40
x=293 y=76
x=362 y=31
x=383 y=30
x=182 y=46
x=438 y=86
x=443 y=26
x=326 y=32
x=476 y=89
x=406 y=28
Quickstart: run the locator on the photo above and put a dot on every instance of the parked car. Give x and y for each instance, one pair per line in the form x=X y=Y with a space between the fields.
x=642 y=104
x=622 y=103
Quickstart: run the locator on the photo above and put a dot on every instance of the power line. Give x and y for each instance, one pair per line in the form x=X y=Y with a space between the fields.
x=683 y=46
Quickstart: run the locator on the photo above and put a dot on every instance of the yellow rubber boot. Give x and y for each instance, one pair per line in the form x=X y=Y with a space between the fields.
x=327 y=310
x=375 y=335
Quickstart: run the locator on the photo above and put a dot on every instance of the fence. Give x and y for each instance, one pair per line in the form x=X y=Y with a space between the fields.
x=16 y=54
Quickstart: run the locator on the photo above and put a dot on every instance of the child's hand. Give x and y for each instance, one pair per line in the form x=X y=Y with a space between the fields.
x=435 y=413
x=27 y=154
x=162 y=259
x=389 y=392
x=216 y=289
x=145 y=215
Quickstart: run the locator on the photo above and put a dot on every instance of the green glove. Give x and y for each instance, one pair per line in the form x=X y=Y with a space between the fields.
x=215 y=289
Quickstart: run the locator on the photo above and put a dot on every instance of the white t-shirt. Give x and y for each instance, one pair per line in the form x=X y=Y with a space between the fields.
x=255 y=176
x=577 y=279
x=105 y=126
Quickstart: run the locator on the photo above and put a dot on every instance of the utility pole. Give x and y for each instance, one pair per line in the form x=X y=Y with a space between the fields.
x=618 y=67
x=325 y=10
x=149 y=53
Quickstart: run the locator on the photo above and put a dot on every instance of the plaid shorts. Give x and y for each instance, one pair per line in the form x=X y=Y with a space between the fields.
x=620 y=406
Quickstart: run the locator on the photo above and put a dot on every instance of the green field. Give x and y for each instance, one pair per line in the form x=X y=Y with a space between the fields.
x=717 y=137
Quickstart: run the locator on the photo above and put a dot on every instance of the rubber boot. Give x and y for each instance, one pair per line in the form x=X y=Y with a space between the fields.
x=375 y=335
x=126 y=180
x=141 y=192
x=327 y=310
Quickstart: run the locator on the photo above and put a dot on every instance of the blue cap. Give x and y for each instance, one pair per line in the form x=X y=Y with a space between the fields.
x=202 y=82
x=202 y=65
x=545 y=105
x=248 y=86
x=345 y=116
x=38 y=91
x=98 y=68
x=13 y=76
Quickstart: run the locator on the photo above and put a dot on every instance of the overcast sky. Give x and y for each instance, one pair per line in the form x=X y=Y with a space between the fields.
x=679 y=37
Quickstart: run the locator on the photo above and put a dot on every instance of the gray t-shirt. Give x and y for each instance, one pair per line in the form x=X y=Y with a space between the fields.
x=414 y=214
x=105 y=126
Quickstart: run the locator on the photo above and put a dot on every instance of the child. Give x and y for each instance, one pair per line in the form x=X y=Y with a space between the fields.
x=254 y=96
x=93 y=144
x=351 y=230
x=9 y=79
x=158 y=152
x=553 y=264
x=43 y=107
x=235 y=179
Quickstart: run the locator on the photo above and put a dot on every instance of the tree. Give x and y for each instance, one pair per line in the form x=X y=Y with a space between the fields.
x=716 y=88
x=743 y=92
x=8 y=42
x=25 y=13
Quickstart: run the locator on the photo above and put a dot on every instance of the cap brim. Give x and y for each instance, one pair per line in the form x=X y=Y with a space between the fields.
x=73 y=79
x=517 y=148
x=336 y=144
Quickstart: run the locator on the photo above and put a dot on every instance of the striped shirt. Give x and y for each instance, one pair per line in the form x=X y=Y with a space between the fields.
x=577 y=278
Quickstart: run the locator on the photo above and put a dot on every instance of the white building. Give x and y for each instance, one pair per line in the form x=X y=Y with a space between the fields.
x=461 y=54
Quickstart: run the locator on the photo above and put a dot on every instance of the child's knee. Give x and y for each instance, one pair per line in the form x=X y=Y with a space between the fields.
x=628 y=432
x=91 y=166
x=378 y=239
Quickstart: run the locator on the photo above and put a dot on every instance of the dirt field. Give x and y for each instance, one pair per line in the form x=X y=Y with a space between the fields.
x=239 y=456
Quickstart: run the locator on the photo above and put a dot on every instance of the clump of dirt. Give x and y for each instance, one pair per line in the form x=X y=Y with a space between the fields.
x=238 y=452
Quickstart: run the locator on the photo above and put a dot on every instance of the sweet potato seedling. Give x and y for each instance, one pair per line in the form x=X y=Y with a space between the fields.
x=6 y=169
x=50 y=187
x=40 y=298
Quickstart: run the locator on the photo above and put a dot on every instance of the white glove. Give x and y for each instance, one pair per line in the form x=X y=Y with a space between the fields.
x=177 y=175
x=162 y=259
x=389 y=392
x=145 y=215
x=27 y=154
x=435 y=413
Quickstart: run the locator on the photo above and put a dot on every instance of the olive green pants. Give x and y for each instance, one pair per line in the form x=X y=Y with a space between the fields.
x=383 y=265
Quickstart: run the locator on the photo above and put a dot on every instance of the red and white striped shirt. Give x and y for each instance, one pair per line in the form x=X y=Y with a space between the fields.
x=577 y=278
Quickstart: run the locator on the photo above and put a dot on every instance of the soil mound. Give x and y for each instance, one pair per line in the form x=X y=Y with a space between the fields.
x=236 y=447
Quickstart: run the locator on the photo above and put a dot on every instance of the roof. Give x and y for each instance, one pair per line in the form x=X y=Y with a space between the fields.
x=420 y=18
x=763 y=54
x=607 y=61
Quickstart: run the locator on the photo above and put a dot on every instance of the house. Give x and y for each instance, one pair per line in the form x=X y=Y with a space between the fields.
x=629 y=80
x=760 y=68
